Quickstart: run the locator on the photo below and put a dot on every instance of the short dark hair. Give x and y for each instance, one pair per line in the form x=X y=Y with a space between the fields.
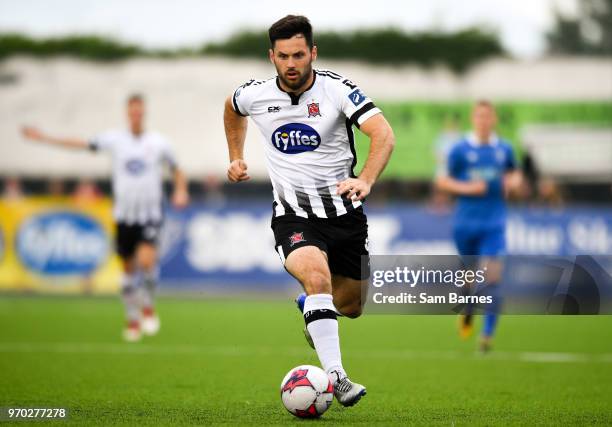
x=135 y=97
x=289 y=26
x=484 y=103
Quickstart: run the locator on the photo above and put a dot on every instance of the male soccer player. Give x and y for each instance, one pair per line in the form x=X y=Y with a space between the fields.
x=481 y=171
x=138 y=156
x=305 y=117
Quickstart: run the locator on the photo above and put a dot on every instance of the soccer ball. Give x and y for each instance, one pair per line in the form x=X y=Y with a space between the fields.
x=306 y=391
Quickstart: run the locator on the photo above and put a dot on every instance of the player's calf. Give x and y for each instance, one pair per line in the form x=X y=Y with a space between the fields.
x=349 y=295
x=129 y=296
x=351 y=309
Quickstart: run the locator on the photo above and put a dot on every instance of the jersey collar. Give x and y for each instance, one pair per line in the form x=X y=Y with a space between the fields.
x=295 y=99
x=474 y=142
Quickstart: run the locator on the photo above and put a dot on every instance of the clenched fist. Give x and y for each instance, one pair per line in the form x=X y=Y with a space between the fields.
x=237 y=171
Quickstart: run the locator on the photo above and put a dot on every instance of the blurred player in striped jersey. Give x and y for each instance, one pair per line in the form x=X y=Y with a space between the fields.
x=138 y=156
x=481 y=171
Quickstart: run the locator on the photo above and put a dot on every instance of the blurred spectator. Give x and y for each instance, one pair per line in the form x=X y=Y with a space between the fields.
x=542 y=190
x=86 y=191
x=12 y=189
x=56 y=187
x=213 y=191
x=530 y=177
x=549 y=193
x=439 y=202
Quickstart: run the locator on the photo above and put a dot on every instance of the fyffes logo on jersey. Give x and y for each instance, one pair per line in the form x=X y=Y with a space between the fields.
x=61 y=243
x=294 y=138
x=484 y=173
x=135 y=166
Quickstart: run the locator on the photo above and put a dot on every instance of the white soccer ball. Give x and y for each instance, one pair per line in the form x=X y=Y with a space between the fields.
x=307 y=392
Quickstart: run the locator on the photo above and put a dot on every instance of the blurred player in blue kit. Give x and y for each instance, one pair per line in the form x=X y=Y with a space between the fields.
x=481 y=171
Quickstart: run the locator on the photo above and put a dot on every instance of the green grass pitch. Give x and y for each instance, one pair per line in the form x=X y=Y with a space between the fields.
x=222 y=360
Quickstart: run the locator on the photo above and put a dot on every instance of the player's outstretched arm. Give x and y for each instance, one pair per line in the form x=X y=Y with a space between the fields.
x=235 y=133
x=461 y=188
x=34 y=134
x=382 y=142
x=180 y=195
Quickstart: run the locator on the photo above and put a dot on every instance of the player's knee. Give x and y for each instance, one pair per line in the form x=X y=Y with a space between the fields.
x=149 y=266
x=128 y=290
x=147 y=258
x=128 y=265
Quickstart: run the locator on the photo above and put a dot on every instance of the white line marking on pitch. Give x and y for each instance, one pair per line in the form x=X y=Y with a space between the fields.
x=139 y=348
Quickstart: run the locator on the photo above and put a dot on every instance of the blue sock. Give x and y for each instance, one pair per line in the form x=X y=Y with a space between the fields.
x=490 y=321
x=492 y=310
x=300 y=300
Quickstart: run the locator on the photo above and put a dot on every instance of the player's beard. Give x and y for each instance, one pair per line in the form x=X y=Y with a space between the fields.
x=296 y=85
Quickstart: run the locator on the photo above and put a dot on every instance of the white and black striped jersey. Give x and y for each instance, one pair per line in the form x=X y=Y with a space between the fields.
x=137 y=173
x=308 y=140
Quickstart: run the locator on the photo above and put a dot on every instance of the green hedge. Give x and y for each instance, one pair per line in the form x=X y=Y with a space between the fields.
x=458 y=50
x=87 y=47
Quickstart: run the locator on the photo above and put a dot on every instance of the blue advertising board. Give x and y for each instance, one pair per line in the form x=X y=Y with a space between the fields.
x=233 y=244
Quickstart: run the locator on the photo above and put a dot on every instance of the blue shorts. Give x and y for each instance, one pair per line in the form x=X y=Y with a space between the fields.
x=480 y=242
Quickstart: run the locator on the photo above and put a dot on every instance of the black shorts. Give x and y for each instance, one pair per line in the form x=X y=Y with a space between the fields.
x=344 y=239
x=129 y=236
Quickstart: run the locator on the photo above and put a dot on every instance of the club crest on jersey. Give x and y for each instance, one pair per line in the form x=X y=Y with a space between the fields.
x=472 y=156
x=294 y=138
x=313 y=110
x=296 y=238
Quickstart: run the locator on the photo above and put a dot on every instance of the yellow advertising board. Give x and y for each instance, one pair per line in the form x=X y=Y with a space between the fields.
x=58 y=245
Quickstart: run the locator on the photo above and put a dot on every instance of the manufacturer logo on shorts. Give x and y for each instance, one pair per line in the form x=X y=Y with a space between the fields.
x=61 y=243
x=296 y=238
x=294 y=138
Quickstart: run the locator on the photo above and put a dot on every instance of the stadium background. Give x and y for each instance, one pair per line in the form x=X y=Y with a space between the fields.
x=561 y=130
x=56 y=233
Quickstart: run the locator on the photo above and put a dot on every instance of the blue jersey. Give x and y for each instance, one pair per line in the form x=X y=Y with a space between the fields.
x=470 y=160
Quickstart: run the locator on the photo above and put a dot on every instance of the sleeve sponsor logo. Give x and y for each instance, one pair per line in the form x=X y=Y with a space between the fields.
x=357 y=97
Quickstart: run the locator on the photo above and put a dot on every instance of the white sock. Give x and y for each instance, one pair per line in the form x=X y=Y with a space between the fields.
x=129 y=295
x=320 y=318
x=147 y=287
